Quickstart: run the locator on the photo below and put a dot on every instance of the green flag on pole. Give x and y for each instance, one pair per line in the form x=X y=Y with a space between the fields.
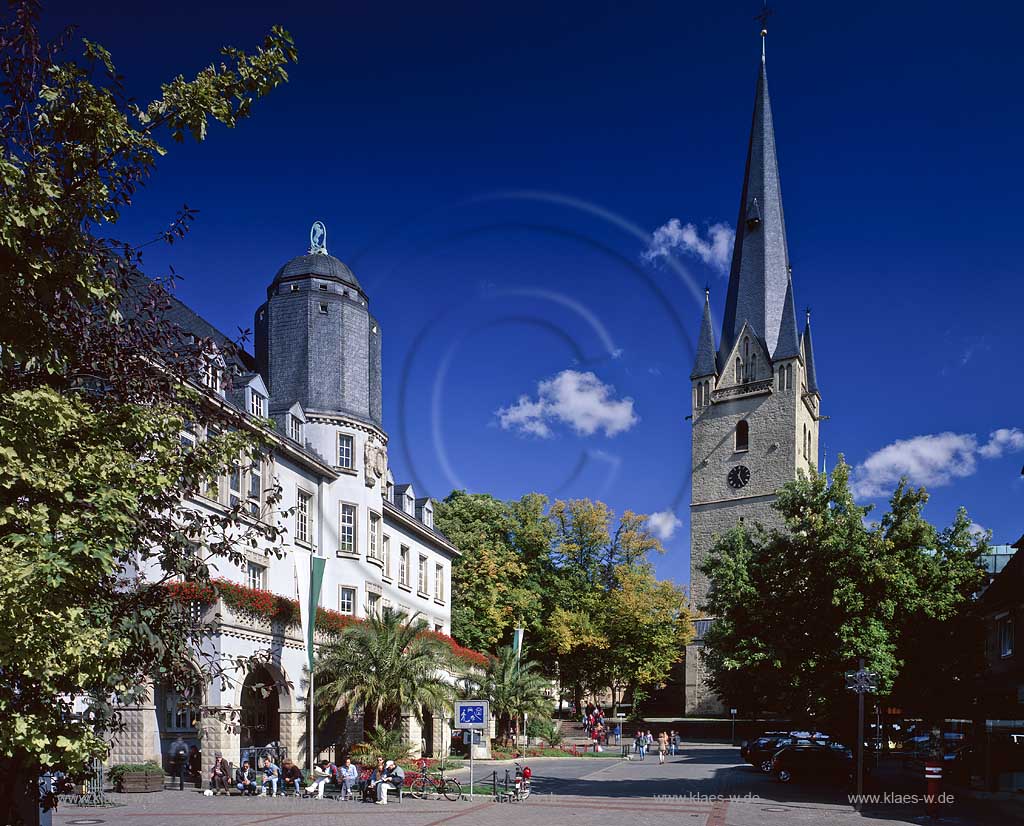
x=316 y=581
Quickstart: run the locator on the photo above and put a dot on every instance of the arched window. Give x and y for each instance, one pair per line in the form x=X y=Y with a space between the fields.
x=699 y=397
x=707 y=392
x=752 y=368
x=739 y=370
x=742 y=435
x=789 y=376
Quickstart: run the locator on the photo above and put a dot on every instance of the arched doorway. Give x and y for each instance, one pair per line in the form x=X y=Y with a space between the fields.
x=260 y=725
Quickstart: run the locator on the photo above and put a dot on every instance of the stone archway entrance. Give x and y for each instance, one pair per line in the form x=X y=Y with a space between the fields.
x=260 y=723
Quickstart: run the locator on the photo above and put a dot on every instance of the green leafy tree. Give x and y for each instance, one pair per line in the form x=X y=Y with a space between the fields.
x=387 y=666
x=514 y=687
x=796 y=608
x=96 y=387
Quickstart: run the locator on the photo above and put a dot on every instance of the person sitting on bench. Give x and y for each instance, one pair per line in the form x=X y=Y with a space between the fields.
x=245 y=780
x=292 y=775
x=322 y=774
x=392 y=778
x=271 y=774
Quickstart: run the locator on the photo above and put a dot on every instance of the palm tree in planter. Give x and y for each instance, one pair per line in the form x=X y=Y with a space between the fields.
x=514 y=688
x=386 y=665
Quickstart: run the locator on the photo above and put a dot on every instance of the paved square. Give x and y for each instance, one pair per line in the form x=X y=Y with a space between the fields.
x=705 y=786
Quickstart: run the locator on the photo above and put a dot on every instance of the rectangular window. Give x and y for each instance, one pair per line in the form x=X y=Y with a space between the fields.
x=439 y=628
x=188 y=436
x=409 y=505
x=255 y=487
x=303 y=511
x=372 y=605
x=257 y=404
x=235 y=485
x=347 y=529
x=373 y=550
x=403 y=565
x=295 y=428
x=256 y=576
x=211 y=374
x=386 y=549
x=423 y=576
x=347 y=600
x=1004 y=629
x=428 y=517
x=439 y=582
x=344 y=450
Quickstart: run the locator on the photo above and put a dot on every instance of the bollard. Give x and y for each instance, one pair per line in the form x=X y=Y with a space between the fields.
x=933 y=783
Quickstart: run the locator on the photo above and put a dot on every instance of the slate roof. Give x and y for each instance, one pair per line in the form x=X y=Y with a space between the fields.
x=759 y=277
x=320 y=264
x=704 y=361
x=788 y=345
x=812 y=378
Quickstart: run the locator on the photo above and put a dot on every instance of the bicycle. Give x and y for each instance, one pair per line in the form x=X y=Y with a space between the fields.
x=423 y=783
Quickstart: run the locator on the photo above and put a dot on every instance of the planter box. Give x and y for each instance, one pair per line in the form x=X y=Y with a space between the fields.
x=132 y=782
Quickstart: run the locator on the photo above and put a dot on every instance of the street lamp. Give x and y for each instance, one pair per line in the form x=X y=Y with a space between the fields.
x=862 y=682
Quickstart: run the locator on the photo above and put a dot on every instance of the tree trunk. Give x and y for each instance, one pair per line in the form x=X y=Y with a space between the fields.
x=19 y=795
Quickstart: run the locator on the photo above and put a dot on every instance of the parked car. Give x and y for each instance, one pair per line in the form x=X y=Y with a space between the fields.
x=759 y=752
x=811 y=761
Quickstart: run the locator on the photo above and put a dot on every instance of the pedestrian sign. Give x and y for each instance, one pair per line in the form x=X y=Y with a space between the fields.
x=471 y=714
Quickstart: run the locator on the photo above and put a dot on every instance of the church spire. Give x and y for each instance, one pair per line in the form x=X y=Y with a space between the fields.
x=812 y=378
x=704 y=362
x=788 y=344
x=759 y=277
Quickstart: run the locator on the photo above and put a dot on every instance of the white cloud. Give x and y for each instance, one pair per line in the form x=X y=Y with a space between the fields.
x=932 y=460
x=976 y=530
x=580 y=400
x=664 y=524
x=715 y=250
x=1003 y=440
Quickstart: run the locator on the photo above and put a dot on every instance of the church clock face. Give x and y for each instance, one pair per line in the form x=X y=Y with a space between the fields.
x=739 y=476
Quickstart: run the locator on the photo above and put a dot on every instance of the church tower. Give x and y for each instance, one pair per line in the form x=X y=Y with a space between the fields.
x=755 y=400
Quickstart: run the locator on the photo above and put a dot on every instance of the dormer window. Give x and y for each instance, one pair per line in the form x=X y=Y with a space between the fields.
x=257 y=404
x=389 y=491
x=211 y=375
x=295 y=428
x=295 y=288
x=428 y=517
x=409 y=505
x=323 y=307
x=323 y=287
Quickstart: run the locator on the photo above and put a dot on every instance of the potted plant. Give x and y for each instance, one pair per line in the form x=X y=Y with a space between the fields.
x=137 y=777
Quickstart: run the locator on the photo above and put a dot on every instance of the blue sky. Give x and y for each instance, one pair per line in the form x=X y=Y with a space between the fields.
x=493 y=175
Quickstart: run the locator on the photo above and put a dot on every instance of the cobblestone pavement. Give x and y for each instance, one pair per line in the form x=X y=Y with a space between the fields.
x=706 y=786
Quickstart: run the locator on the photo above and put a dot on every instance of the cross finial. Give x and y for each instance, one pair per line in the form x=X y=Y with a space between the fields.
x=808 y=312
x=762 y=18
x=707 y=292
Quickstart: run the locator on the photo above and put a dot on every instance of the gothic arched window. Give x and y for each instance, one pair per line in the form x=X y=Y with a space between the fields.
x=752 y=368
x=739 y=370
x=742 y=435
x=789 y=376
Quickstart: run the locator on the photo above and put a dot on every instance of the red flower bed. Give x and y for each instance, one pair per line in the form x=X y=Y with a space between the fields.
x=267 y=606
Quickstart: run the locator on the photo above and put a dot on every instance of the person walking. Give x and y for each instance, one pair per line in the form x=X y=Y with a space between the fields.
x=662 y=747
x=179 y=757
x=220 y=774
x=640 y=744
x=618 y=733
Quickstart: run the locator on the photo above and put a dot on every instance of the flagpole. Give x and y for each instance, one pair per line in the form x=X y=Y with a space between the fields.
x=309 y=656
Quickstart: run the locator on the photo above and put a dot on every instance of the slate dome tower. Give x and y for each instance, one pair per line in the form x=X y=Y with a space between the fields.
x=316 y=342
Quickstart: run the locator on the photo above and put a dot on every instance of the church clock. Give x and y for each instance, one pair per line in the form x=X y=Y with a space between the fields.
x=739 y=476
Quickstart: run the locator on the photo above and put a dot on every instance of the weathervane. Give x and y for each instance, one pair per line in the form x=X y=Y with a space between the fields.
x=318 y=238
x=762 y=18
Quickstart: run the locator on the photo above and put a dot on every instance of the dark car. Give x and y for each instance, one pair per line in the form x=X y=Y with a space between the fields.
x=814 y=762
x=759 y=752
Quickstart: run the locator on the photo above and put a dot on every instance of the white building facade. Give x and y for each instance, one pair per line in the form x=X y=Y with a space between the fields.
x=316 y=374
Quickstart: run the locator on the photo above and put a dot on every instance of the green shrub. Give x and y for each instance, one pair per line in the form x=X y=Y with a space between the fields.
x=541 y=728
x=381 y=743
x=121 y=769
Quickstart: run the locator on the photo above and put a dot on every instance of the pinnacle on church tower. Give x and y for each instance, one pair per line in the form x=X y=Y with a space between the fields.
x=808 y=352
x=704 y=361
x=759 y=276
